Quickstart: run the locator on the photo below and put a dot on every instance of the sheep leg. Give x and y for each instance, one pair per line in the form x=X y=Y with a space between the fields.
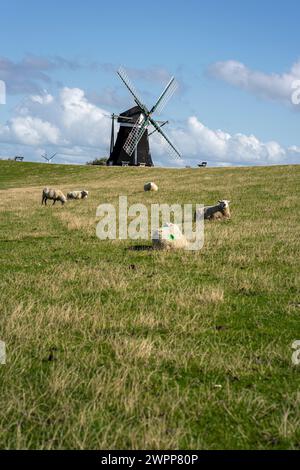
x=54 y=202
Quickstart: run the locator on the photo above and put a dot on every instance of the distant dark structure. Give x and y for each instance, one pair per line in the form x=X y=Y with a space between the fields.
x=141 y=155
x=202 y=164
x=18 y=158
x=132 y=144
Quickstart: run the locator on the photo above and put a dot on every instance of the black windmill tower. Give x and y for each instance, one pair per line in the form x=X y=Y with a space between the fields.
x=132 y=143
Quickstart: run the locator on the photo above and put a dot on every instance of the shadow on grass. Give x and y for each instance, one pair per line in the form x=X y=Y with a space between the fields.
x=140 y=248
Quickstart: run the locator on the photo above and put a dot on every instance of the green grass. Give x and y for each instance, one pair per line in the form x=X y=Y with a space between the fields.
x=110 y=347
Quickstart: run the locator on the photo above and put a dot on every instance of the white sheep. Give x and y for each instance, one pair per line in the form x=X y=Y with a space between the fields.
x=150 y=187
x=168 y=237
x=77 y=194
x=219 y=211
x=54 y=195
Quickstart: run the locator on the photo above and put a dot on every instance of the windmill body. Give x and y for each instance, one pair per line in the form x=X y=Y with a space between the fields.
x=132 y=143
x=141 y=154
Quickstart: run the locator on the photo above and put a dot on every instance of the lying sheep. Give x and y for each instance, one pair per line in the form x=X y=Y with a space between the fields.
x=150 y=187
x=77 y=194
x=169 y=237
x=217 y=212
x=54 y=195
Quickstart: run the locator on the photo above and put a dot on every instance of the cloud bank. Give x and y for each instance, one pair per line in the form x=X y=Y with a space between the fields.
x=32 y=73
x=284 y=87
x=80 y=130
x=68 y=124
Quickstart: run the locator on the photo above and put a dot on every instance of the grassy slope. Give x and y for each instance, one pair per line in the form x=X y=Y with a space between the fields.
x=114 y=348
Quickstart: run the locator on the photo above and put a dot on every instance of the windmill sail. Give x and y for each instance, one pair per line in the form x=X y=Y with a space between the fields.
x=124 y=77
x=135 y=135
x=174 y=151
x=48 y=159
x=165 y=96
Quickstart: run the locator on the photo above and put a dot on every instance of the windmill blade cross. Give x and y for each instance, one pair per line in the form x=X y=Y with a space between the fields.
x=162 y=123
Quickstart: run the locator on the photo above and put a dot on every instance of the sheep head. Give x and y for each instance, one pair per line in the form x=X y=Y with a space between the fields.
x=225 y=203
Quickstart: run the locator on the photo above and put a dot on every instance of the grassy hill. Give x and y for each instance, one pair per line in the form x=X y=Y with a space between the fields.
x=109 y=346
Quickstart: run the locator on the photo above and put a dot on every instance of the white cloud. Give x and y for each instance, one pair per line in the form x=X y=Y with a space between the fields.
x=197 y=142
x=273 y=86
x=294 y=149
x=42 y=99
x=69 y=122
x=78 y=130
x=33 y=131
x=84 y=123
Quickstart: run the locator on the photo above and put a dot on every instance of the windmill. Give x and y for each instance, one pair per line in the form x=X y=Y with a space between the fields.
x=48 y=159
x=132 y=143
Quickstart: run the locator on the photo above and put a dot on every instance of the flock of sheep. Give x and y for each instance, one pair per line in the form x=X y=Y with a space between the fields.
x=167 y=237
x=57 y=195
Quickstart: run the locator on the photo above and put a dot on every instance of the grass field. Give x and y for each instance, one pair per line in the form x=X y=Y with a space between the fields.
x=113 y=347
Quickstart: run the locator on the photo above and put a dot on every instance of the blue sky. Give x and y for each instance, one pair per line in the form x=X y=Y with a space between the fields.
x=235 y=62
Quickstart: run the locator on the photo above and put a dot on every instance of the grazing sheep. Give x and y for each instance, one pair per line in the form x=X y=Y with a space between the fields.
x=169 y=237
x=217 y=212
x=150 y=187
x=77 y=194
x=54 y=195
